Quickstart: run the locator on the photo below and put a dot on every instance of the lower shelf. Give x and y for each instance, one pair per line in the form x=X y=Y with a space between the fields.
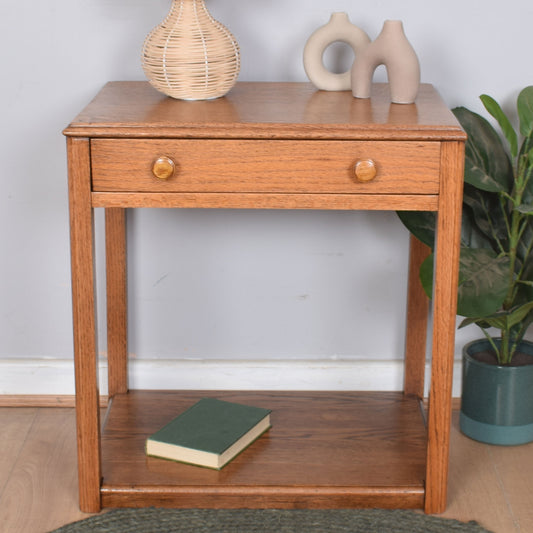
x=324 y=450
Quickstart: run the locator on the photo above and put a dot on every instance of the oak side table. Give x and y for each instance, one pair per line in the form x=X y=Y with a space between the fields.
x=266 y=146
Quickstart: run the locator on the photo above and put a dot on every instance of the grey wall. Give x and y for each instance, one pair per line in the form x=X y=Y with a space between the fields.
x=234 y=284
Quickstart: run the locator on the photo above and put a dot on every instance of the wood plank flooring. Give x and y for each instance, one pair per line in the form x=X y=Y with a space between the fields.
x=38 y=482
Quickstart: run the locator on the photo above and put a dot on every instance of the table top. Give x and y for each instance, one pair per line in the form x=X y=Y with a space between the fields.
x=265 y=110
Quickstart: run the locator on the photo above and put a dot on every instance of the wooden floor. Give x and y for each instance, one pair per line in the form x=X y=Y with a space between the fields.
x=38 y=485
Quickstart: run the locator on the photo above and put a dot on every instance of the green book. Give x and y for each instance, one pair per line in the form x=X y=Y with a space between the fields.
x=210 y=433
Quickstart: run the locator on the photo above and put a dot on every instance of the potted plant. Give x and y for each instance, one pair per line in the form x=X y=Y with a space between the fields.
x=495 y=272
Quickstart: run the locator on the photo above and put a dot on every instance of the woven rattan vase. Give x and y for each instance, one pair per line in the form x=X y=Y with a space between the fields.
x=190 y=55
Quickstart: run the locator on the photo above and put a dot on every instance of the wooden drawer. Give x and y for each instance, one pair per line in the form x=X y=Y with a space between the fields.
x=276 y=166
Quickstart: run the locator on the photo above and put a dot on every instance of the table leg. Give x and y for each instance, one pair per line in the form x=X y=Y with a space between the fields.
x=417 y=320
x=85 y=344
x=444 y=315
x=117 y=345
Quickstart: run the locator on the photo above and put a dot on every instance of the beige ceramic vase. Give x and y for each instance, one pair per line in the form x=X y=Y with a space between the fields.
x=339 y=28
x=190 y=55
x=392 y=49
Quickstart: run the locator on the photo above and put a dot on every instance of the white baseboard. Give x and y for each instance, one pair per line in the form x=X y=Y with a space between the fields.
x=56 y=376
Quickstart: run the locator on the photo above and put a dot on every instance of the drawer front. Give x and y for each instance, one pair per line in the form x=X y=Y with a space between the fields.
x=275 y=166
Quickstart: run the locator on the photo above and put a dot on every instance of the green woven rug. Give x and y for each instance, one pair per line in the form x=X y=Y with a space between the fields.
x=266 y=521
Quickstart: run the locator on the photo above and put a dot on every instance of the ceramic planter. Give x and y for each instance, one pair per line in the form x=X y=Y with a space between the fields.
x=497 y=401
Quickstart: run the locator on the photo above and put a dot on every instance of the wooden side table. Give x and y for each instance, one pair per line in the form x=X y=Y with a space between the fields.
x=266 y=146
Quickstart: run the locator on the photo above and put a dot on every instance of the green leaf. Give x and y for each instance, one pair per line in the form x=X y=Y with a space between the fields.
x=523 y=250
x=487 y=215
x=525 y=110
x=483 y=282
x=518 y=314
x=497 y=321
x=525 y=209
x=487 y=165
x=471 y=234
x=527 y=148
x=504 y=320
x=467 y=322
x=426 y=275
x=478 y=321
x=421 y=224
x=496 y=111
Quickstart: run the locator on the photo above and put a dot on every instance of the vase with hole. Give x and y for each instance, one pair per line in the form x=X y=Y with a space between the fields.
x=338 y=29
x=190 y=55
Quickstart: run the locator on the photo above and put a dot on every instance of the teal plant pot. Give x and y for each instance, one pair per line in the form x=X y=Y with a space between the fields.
x=497 y=401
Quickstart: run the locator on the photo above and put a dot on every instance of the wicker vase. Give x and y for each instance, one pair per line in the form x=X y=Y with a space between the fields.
x=190 y=55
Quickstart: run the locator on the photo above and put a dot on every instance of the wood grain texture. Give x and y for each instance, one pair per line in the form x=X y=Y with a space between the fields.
x=379 y=442
x=489 y=484
x=266 y=146
x=236 y=200
x=262 y=110
x=444 y=316
x=41 y=400
x=417 y=321
x=14 y=431
x=85 y=345
x=117 y=301
x=42 y=480
x=476 y=488
x=266 y=166
x=514 y=468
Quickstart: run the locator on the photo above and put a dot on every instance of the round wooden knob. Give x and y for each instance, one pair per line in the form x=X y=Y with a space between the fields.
x=365 y=170
x=163 y=168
